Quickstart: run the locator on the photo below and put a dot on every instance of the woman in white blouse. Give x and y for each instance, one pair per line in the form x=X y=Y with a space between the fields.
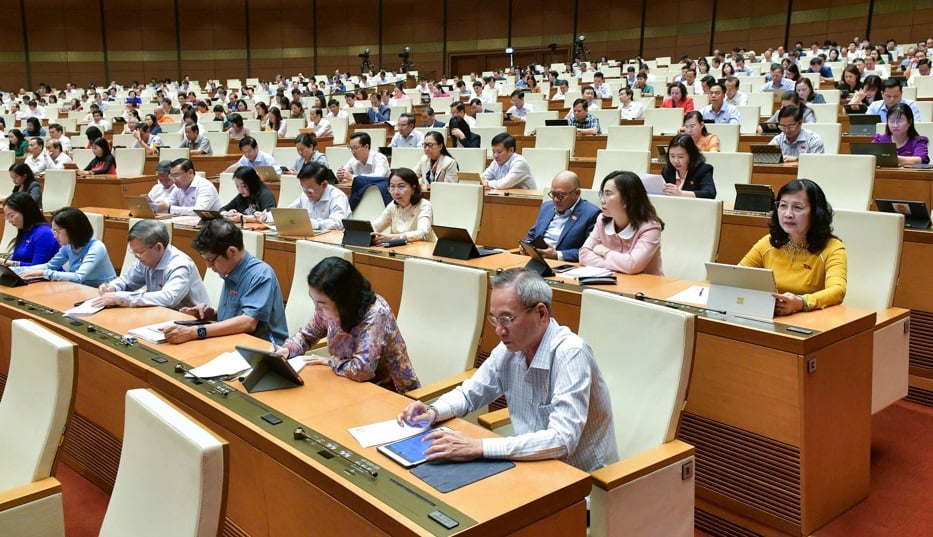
x=409 y=216
x=437 y=164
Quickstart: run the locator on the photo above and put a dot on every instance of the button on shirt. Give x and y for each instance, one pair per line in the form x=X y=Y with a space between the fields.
x=520 y=112
x=726 y=114
x=556 y=226
x=589 y=122
x=559 y=405
x=262 y=159
x=785 y=84
x=329 y=211
x=175 y=282
x=200 y=142
x=515 y=173
x=806 y=142
x=200 y=195
x=740 y=99
x=879 y=108
x=414 y=139
x=376 y=165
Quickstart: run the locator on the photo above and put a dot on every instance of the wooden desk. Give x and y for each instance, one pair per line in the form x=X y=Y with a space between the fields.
x=211 y=165
x=109 y=190
x=272 y=477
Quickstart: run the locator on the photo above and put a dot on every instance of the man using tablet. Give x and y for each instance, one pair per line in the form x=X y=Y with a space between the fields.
x=565 y=222
x=558 y=400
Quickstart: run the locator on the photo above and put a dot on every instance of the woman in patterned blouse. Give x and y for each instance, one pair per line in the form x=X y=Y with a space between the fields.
x=363 y=338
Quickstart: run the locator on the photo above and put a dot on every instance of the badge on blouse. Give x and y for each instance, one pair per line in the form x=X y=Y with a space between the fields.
x=808 y=267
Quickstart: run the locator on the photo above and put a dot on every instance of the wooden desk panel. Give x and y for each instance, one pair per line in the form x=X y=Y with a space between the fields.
x=108 y=190
x=212 y=165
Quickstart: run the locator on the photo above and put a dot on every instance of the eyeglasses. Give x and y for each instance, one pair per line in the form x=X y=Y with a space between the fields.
x=355 y=148
x=690 y=126
x=313 y=189
x=897 y=121
x=429 y=145
x=604 y=194
x=795 y=208
x=784 y=127
x=140 y=254
x=559 y=196
x=212 y=260
x=505 y=321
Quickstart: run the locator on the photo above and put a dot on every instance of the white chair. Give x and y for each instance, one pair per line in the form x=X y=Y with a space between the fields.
x=340 y=126
x=486 y=134
x=371 y=205
x=226 y=187
x=212 y=126
x=130 y=161
x=926 y=111
x=749 y=117
x=690 y=237
x=831 y=96
x=556 y=138
x=448 y=347
x=924 y=129
x=458 y=205
x=254 y=243
x=873 y=247
x=489 y=120
x=254 y=125
x=289 y=190
x=129 y=258
x=34 y=413
x=665 y=120
x=650 y=491
x=545 y=163
x=337 y=156
x=172 y=477
x=924 y=85
x=82 y=157
x=406 y=157
x=376 y=136
x=125 y=140
x=609 y=160
x=172 y=154
x=728 y=136
x=293 y=126
x=97 y=224
x=266 y=140
x=59 y=189
x=469 y=159
x=169 y=139
x=764 y=102
x=607 y=118
x=284 y=156
x=7 y=159
x=220 y=143
x=729 y=169
x=629 y=137
x=825 y=112
x=831 y=133
x=300 y=308
x=847 y=180
x=533 y=120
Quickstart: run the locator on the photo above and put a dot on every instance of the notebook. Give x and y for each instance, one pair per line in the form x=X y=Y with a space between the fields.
x=743 y=291
x=766 y=154
x=753 y=198
x=916 y=214
x=457 y=243
x=885 y=153
x=863 y=124
x=141 y=207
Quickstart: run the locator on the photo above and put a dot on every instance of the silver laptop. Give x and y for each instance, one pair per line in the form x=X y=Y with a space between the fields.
x=267 y=173
x=743 y=291
x=140 y=207
x=293 y=223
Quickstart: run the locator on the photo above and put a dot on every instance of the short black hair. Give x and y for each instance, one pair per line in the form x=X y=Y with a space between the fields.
x=504 y=138
x=217 y=236
x=363 y=138
x=248 y=141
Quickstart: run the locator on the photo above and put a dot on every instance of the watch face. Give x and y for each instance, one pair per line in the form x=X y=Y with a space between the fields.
x=202 y=332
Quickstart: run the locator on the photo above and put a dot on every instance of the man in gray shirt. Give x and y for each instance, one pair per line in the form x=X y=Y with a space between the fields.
x=194 y=141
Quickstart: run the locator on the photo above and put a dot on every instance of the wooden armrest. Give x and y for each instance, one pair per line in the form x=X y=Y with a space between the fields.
x=29 y=493
x=642 y=464
x=495 y=419
x=436 y=389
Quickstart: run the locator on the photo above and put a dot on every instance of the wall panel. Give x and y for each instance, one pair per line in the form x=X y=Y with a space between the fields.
x=12 y=54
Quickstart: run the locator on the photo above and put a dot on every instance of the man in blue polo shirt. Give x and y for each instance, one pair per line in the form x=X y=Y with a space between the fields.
x=718 y=110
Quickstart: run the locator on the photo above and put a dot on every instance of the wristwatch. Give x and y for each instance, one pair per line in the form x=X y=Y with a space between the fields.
x=202 y=332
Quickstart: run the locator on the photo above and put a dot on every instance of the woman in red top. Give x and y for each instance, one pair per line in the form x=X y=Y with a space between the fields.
x=678 y=98
x=103 y=162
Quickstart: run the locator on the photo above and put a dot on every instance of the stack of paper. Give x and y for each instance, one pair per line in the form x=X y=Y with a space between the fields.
x=152 y=333
x=84 y=309
x=586 y=272
x=227 y=365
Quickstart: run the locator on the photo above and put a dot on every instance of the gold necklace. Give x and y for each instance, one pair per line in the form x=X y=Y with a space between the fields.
x=794 y=248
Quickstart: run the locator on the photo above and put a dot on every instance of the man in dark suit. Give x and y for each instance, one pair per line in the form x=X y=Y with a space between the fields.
x=566 y=221
x=427 y=118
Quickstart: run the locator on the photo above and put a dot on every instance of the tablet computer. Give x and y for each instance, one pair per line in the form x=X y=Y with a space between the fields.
x=271 y=371
x=409 y=451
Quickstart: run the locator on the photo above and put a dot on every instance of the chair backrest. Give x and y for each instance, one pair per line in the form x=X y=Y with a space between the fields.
x=406 y=157
x=7 y=159
x=266 y=140
x=449 y=346
x=749 y=117
x=873 y=247
x=556 y=138
x=226 y=187
x=130 y=161
x=545 y=163
x=300 y=308
x=212 y=126
x=924 y=85
x=458 y=205
x=728 y=136
x=629 y=137
x=535 y=119
x=220 y=142
x=690 y=237
x=294 y=125
x=489 y=120
x=664 y=120
x=608 y=117
x=609 y=160
x=129 y=258
x=831 y=133
x=97 y=224
x=825 y=112
x=377 y=137
x=171 y=138
x=59 y=189
x=254 y=125
x=82 y=157
x=649 y=380
x=172 y=476
x=173 y=153
x=254 y=243
x=289 y=190
x=764 y=102
x=486 y=134
x=340 y=126
x=371 y=204
x=36 y=404
x=284 y=156
x=847 y=180
x=337 y=155
x=729 y=169
x=126 y=140
x=469 y=159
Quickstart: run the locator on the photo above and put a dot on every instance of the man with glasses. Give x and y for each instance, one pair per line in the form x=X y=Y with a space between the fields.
x=363 y=161
x=326 y=204
x=192 y=192
x=566 y=221
x=253 y=157
x=558 y=401
x=161 y=276
x=718 y=110
x=251 y=300
x=406 y=136
x=794 y=140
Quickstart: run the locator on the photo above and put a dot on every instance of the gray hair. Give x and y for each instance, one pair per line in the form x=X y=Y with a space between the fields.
x=150 y=231
x=529 y=286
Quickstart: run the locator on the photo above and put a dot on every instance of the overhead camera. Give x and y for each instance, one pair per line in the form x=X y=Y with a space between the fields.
x=364 y=54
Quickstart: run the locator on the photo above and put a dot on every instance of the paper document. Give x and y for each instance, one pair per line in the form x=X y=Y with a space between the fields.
x=227 y=365
x=585 y=272
x=151 y=333
x=695 y=294
x=383 y=432
x=84 y=309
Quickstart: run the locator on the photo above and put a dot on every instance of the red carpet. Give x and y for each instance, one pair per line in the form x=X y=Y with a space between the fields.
x=901 y=474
